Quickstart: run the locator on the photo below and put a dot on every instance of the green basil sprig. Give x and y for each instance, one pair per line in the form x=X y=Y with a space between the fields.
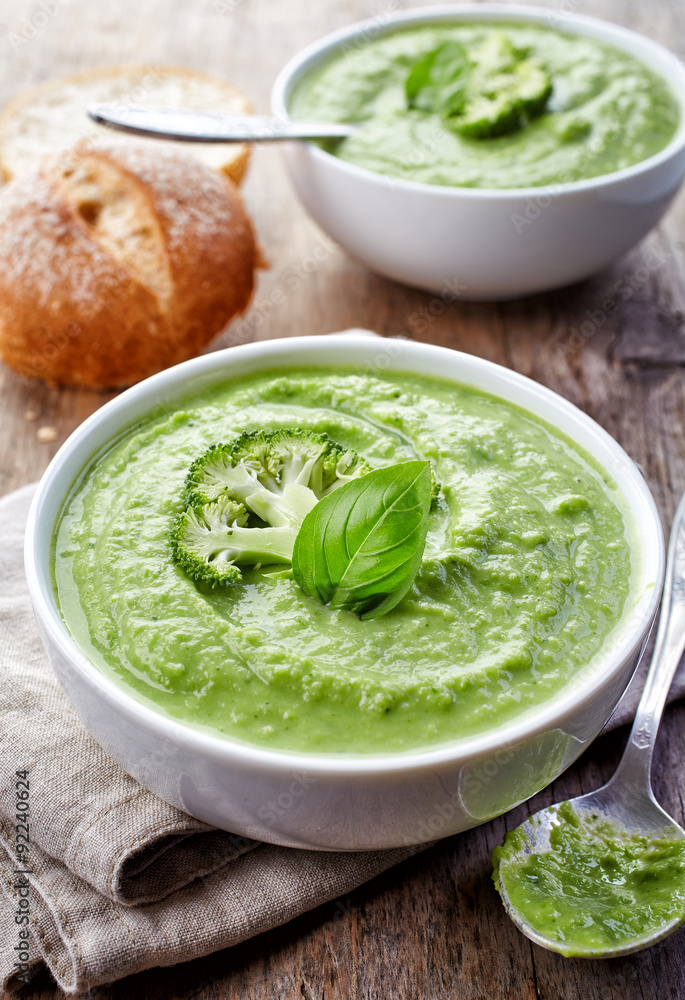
x=438 y=81
x=361 y=546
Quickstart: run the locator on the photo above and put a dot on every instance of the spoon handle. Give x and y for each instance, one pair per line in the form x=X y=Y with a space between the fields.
x=210 y=126
x=670 y=642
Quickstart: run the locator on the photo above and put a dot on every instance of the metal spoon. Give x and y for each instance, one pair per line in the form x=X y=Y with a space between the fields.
x=628 y=799
x=210 y=126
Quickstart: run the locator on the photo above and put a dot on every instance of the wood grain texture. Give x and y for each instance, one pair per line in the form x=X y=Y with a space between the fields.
x=433 y=928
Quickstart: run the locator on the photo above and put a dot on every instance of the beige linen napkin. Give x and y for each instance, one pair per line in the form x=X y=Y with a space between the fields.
x=120 y=881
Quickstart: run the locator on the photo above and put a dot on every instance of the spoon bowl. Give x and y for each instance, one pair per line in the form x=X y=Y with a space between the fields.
x=625 y=805
x=603 y=805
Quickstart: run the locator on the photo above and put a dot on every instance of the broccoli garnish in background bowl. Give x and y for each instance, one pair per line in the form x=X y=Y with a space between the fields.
x=245 y=501
x=490 y=91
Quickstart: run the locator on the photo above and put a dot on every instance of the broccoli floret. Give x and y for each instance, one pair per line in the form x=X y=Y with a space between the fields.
x=245 y=501
x=507 y=102
x=505 y=91
x=208 y=541
x=276 y=459
x=213 y=476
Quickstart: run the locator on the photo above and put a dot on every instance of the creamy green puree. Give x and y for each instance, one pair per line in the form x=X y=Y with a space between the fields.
x=598 y=887
x=606 y=110
x=526 y=571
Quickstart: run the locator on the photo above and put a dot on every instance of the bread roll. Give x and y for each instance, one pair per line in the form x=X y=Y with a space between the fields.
x=51 y=116
x=117 y=263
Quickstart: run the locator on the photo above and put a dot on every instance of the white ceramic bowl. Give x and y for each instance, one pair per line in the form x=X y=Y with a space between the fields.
x=327 y=802
x=478 y=243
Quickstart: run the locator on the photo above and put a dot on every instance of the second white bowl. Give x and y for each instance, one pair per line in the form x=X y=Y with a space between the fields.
x=476 y=243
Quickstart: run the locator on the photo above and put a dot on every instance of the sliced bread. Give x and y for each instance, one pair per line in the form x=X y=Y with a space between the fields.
x=52 y=116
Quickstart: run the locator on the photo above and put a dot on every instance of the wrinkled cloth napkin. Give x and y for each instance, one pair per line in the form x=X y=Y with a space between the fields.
x=119 y=880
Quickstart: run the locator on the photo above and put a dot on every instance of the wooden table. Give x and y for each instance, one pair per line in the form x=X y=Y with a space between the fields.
x=433 y=928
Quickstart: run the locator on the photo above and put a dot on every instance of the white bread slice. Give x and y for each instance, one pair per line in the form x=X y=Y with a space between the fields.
x=52 y=116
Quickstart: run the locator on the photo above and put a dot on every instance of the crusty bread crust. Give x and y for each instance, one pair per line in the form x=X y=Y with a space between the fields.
x=117 y=263
x=27 y=121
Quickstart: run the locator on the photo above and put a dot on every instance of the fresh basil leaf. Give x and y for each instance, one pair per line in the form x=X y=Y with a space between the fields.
x=360 y=547
x=438 y=81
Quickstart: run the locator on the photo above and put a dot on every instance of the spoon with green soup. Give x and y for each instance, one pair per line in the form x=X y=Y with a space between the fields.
x=603 y=875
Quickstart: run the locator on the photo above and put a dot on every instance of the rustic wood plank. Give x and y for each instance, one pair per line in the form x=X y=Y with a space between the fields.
x=433 y=928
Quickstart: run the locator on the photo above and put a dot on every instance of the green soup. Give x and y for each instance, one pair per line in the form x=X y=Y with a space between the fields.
x=598 y=887
x=600 y=110
x=526 y=572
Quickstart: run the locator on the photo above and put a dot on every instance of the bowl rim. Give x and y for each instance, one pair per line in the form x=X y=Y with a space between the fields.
x=670 y=68
x=171 y=385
